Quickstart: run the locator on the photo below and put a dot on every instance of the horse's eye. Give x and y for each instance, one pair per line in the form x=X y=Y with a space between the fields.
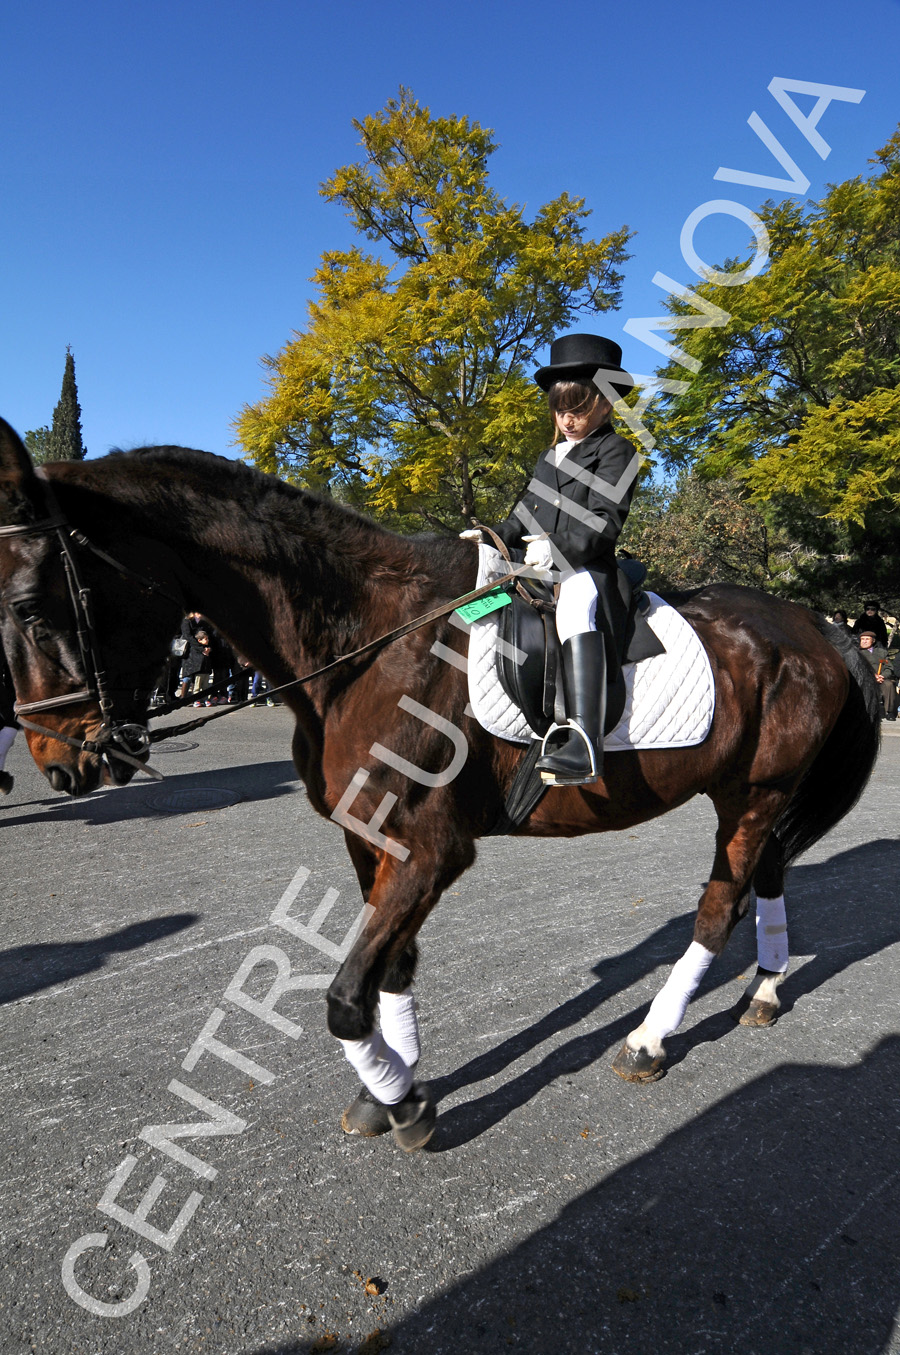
x=25 y=610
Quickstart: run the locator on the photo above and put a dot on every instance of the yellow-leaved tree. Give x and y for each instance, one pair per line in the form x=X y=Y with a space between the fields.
x=409 y=392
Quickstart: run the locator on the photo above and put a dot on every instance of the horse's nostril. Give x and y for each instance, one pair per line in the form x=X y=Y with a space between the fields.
x=61 y=778
x=120 y=773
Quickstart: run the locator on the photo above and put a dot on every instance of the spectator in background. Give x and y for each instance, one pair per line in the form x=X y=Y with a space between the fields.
x=885 y=673
x=169 y=681
x=241 y=677
x=224 y=664
x=196 y=665
x=840 y=619
x=871 y=621
x=258 y=689
x=8 y=723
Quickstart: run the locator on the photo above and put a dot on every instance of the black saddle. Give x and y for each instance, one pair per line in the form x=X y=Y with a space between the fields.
x=533 y=682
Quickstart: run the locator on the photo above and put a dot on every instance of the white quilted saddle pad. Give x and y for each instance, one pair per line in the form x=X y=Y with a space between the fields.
x=669 y=699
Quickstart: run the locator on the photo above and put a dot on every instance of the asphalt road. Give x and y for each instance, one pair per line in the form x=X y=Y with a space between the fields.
x=748 y=1201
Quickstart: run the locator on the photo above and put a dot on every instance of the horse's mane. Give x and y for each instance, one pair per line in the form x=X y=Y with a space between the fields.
x=270 y=502
x=262 y=488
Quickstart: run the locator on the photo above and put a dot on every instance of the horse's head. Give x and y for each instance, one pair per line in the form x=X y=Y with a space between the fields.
x=84 y=634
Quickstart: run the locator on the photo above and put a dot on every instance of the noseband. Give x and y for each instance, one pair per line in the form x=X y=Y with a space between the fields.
x=121 y=740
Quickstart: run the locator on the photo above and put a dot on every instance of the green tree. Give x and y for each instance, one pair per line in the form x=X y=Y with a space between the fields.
x=37 y=440
x=409 y=392
x=694 y=531
x=797 y=395
x=65 y=442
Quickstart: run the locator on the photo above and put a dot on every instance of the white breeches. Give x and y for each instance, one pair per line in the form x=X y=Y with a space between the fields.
x=576 y=608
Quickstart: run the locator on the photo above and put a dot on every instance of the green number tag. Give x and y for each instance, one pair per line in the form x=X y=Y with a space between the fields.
x=474 y=611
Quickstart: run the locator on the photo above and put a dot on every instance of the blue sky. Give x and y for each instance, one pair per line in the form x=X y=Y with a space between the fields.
x=160 y=164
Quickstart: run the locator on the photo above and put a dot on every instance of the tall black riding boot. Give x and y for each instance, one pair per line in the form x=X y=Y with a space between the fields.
x=573 y=754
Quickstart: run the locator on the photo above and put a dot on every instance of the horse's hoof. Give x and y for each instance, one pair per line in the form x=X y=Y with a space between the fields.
x=758 y=1014
x=637 y=1065
x=413 y=1118
x=367 y=1117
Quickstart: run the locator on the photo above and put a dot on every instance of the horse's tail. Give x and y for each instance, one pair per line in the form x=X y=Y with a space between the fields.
x=837 y=778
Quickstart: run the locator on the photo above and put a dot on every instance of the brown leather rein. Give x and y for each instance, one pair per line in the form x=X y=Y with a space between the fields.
x=124 y=740
x=506 y=583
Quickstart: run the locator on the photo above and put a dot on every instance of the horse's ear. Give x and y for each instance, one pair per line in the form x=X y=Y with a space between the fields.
x=18 y=484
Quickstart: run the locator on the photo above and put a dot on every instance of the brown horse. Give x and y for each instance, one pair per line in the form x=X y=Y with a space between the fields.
x=383 y=742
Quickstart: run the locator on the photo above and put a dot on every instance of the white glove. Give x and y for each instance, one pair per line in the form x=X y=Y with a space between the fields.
x=539 y=556
x=471 y=534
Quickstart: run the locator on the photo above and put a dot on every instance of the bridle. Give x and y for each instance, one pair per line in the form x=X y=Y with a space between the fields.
x=122 y=740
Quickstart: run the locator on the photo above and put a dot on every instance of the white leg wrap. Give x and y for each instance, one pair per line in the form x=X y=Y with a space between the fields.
x=399 y=1025
x=7 y=734
x=771 y=934
x=668 y=1007
x=379 y=1067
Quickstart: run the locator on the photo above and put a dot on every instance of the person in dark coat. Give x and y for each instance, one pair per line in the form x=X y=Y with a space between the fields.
x=569 y=520
x=196 y=662
x=8 y=723
x=871 y=621
x=883 y=667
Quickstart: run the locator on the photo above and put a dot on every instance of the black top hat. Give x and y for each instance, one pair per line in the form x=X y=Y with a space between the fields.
x=578 y=357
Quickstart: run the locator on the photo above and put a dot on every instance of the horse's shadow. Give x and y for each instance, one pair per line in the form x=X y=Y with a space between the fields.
x=141 y=799
x=767 y=1223
x=25 y=970
x=817 y=901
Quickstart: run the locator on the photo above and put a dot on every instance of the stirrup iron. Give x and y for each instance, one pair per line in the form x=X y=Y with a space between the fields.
x=562 y=779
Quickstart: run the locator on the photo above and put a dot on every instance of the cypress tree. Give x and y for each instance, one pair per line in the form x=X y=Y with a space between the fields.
x=65 y=435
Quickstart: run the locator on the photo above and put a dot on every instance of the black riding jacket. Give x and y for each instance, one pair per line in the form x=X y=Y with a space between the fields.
x=582 y=516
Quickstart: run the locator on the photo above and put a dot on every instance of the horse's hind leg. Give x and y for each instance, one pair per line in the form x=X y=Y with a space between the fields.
x=759 y=1005
x=740 y=840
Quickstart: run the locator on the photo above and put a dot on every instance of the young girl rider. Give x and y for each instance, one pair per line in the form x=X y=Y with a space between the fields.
x=569 y=520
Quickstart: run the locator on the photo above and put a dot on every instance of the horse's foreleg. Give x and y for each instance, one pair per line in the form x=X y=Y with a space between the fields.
x=397 y=1007
x=739 y=844
x=759 y=1005
x=367 y=1116
x=385 y=1062
x=378 y=972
